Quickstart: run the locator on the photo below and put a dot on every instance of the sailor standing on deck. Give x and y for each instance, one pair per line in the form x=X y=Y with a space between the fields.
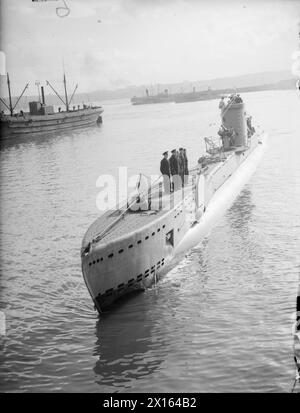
x=174 y=170
x=222 y=104
x=165 y=171
x=181 y=162
x=179 y=171
x=186 y=167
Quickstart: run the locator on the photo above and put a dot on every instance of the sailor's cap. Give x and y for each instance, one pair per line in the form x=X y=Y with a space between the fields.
x=165 y=153
x=181 y=149
x=173 y=151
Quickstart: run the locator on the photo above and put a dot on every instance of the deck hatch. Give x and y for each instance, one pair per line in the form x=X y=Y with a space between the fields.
x=170 y=238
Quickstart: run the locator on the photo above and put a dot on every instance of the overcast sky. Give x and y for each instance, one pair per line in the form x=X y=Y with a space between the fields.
x=115 y=43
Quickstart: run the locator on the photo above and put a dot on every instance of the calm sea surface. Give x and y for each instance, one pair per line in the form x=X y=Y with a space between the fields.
x=219 y=321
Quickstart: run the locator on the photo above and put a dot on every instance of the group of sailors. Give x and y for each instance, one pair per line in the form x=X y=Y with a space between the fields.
x=227 y=136
x=174 y=170
x=234 y=98
x=84 y=106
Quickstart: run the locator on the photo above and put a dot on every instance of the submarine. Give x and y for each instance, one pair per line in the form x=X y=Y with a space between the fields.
x=129 y=247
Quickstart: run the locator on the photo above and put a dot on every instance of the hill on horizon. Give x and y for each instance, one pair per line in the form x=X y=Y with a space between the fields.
x=279 y=79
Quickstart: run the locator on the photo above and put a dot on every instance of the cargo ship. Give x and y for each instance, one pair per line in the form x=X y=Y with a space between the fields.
x=165 y=97
x=42 y=118
x=196 y=96
x=128 y=248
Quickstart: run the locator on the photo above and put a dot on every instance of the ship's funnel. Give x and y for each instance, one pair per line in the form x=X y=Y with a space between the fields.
x=43 y=95
x=234 y=116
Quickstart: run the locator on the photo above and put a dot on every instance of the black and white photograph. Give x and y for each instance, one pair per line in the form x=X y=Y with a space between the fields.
x=150 y=199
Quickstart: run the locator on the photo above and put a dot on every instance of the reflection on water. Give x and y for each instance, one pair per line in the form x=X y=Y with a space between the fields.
x=240 y=217
x=218 y=320
x=43 y=139
x=124 y=348
x=241 y=211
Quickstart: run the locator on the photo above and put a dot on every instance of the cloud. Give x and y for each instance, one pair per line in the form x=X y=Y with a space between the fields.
x=143 y=41
x=2 y=63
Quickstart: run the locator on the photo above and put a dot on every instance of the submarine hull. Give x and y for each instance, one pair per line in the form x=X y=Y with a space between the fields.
x=132 y=259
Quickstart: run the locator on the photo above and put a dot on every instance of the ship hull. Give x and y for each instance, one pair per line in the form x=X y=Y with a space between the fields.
x=195 y=97
x=151 y=100
x=37 y=124
x=134 y=261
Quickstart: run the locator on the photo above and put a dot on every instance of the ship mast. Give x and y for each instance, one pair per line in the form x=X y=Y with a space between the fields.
x=66 y=94
x=9 y=94
x=10 y=107
x=66 y=102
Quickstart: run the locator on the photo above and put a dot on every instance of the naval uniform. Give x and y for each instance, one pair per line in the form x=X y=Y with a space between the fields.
x=181 y=167
x=174 y=167
x=165 y=171
x=186 y=169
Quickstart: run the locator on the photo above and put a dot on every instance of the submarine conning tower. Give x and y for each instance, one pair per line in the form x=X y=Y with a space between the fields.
x=234 y=116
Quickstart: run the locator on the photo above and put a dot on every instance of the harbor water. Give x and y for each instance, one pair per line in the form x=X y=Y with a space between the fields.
x=219 y=321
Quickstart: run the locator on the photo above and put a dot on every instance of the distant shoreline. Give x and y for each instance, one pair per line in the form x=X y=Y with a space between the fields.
x=196 y=96
x=101 y=96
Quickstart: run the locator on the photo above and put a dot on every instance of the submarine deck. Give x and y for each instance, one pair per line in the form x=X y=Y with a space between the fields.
x=107 y=232
x=130 y=221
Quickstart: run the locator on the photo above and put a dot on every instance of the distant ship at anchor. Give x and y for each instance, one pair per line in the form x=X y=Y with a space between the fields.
x=42 y=118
